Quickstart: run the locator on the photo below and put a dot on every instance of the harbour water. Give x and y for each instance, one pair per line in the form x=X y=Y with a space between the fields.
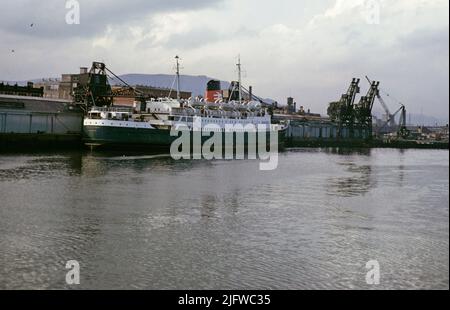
x=149 y=222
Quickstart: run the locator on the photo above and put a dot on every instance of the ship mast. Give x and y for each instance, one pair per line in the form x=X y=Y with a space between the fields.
x=178 y=77
x=239 y=78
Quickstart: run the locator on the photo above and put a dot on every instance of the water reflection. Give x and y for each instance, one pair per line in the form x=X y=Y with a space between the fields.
x=31 y=166
x=208 y=205
x=401 y=175
x=358 y=183
x=348 y=151
x=95 y=163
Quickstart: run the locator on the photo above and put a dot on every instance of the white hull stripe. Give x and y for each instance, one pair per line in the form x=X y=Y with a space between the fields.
x=113 y=123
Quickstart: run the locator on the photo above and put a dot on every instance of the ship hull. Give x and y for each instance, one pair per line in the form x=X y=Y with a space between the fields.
x=103 y=137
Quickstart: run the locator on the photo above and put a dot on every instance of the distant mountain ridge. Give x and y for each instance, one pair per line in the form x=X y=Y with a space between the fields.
x=194 y=84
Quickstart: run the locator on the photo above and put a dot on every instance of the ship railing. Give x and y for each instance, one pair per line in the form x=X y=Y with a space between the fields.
x=112 y=109
x=218 y=113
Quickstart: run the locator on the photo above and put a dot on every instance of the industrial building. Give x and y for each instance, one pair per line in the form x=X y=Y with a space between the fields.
x=65 y=87
x=50 y=88
x=30 y=90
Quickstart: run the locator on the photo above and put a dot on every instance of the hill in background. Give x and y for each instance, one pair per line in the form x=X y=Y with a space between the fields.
x=194 y=84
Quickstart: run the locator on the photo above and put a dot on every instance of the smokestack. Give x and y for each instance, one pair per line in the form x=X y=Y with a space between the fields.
x=290 y=103
x=213 y=91
x=250 y=93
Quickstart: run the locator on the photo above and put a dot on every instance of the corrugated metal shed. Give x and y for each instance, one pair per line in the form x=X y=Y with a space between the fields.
x=31 y=115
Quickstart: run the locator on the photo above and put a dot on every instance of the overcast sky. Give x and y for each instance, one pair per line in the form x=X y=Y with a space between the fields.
x=307 y=49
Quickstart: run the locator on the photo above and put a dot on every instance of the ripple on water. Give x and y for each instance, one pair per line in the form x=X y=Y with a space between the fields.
x=148 y=222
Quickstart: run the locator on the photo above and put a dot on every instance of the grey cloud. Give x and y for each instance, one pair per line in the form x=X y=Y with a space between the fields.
x=48 y=16
x=429 y=41
x=408 y=55
x=198 y=37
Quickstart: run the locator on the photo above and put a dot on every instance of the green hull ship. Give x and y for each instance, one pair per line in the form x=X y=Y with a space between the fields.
x=120 y=129
x=232 y=123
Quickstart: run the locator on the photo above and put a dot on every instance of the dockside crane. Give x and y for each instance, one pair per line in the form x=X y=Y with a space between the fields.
x=402 y=130
x=342 y=111
x=363 y=110
x=388 y=114
x=93 y=88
